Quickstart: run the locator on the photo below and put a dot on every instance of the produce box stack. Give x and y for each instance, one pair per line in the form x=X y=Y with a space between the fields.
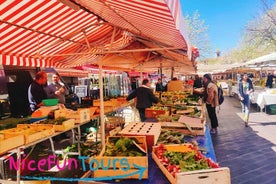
x=59 y=124
x=185 y=163
x=30 y=133
x=150 y=130
x=122 y=156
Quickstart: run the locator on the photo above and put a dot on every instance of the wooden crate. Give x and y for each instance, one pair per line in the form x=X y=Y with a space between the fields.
x=152 y=113
x=38 y=133
x=92 y=111
x=150 y=130
x=122 y=100
x=112 y=122
x=114 y=131
x=66 y=125
x=30 y=133
x=214 y=176
x=112 y=102
x=186 y=125
x=117 y=170
x=180 y=127
x=82 y=115
x=10 y=143
x=35 y=182
x=9 y=133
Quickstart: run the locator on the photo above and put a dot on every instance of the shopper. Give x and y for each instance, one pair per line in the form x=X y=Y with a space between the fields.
x=36 y=91
x=197 y=82
x=159 y=86
x=145 y=98
x=269 y=80
x=210 y=97
x=57 y=89
x=197 y=86
x=245 y=89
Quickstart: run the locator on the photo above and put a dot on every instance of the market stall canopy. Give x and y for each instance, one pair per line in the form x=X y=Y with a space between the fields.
x=203 y=68
x=65 y=34
x=266 y=60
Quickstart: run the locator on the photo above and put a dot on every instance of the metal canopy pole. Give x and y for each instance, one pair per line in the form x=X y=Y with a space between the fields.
x=101 y=105
x=172 y=72
x=161 y=72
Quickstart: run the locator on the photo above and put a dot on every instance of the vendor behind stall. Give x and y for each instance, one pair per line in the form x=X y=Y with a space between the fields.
x=145 y=98
x=36 y=91
x=56 y=89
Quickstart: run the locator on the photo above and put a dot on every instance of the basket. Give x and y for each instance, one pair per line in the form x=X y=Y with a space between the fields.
x=50 y=102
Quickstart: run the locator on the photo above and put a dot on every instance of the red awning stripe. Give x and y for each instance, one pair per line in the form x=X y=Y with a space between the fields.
x=24 y=61
x=155 y=20
x=35 y=28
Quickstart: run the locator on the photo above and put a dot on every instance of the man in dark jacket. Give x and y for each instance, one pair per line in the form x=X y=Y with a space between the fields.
x=159 y=86
x=145 y=98
x=269 y=80
x=36 y=91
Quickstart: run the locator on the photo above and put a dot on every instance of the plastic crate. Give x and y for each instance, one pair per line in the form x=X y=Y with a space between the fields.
x=271 y=109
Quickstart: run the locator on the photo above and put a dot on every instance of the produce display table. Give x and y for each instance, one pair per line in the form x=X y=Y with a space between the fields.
x=155 y=175
x=264 y=99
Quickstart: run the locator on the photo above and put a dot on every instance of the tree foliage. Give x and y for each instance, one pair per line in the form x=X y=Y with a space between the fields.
x=259 y=37
x=198 y=33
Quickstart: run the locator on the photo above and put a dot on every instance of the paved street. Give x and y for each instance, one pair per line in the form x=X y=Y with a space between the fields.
x=249 y=152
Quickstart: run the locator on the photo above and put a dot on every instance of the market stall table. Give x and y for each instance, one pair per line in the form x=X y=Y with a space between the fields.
x=155 y=175
x=264 y=99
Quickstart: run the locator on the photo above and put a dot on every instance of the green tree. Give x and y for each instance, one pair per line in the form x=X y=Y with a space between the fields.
x=259 y=36
x=198 y=33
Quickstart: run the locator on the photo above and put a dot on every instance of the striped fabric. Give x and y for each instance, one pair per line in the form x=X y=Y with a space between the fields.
x=48 y=33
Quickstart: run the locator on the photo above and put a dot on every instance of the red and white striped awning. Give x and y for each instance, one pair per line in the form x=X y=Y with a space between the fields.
x=71 y=72
x=49 y=33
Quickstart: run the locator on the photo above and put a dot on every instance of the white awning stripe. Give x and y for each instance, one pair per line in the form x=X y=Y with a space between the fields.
x=50 y=33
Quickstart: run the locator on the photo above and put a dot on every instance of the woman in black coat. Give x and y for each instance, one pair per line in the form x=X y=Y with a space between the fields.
x=145 y=98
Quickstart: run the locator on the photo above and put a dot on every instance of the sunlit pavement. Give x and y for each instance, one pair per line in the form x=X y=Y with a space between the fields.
x=249 y=152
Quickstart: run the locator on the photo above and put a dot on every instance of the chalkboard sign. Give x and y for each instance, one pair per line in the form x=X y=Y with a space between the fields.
x=81 y=91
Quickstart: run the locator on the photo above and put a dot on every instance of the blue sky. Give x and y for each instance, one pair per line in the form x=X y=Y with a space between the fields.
x=225 y=19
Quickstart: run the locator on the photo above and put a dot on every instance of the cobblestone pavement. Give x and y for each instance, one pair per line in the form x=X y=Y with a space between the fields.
x=249 y=152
